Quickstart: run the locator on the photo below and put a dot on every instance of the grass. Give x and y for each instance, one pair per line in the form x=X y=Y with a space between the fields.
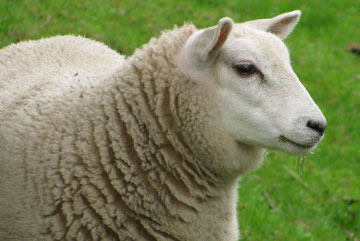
x=280 y=201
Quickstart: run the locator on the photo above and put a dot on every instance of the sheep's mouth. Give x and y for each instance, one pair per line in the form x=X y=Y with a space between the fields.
x=283 y=139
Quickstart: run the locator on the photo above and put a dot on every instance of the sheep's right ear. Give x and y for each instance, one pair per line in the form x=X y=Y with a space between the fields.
x=204 y=45
x=281 y=25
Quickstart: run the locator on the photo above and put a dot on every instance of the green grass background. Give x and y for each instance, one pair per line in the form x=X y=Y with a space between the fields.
x=320 y=202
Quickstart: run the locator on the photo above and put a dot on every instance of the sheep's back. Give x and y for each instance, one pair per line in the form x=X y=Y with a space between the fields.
x=50 y=67
x=41 y=86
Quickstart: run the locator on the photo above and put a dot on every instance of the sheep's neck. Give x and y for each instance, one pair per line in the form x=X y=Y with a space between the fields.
x=155 y=168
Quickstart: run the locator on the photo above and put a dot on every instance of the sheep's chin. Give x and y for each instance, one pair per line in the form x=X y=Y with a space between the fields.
x=286 y=145
x=294 y=148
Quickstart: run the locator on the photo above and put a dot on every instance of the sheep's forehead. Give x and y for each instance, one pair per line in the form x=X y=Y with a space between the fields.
x=256 y=45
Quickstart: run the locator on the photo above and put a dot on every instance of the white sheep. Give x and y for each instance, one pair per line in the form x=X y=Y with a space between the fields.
x=97 y=147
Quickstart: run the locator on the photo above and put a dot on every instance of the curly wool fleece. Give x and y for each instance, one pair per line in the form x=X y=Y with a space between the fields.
x=93 y=147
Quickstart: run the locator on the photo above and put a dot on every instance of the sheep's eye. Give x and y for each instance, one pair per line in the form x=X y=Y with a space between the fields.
x=245 y=69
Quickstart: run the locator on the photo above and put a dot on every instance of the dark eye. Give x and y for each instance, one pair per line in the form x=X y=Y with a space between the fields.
x=245 y=69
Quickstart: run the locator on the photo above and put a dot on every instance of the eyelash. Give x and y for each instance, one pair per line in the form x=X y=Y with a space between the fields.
x=241 y=69
x=245 y=69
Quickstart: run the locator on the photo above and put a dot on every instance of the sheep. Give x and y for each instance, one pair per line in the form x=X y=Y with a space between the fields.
x=96 y=146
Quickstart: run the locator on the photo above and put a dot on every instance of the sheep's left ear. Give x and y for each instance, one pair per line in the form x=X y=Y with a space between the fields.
x=218 y=38
x=205 y=45
x=281 y=25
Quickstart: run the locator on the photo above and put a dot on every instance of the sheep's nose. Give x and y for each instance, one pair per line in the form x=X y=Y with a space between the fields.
x=317 y=126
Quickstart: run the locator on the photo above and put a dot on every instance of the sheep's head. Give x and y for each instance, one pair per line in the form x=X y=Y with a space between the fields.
x=262 y=100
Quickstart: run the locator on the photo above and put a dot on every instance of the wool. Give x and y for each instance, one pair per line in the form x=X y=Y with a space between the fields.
x=96 y=146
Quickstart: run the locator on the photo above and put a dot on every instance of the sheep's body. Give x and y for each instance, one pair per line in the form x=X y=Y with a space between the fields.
x=91 y=151
x=96 y=147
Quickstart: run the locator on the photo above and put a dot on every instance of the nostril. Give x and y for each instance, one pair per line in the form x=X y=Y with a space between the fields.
x=316 y=126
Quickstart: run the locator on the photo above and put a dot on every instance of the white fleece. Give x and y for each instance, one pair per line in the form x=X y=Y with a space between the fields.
x=94 y=146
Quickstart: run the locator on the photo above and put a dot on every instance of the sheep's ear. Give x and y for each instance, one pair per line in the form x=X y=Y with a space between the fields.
x=217 y=36
x=206 y=44
x=281 y=25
